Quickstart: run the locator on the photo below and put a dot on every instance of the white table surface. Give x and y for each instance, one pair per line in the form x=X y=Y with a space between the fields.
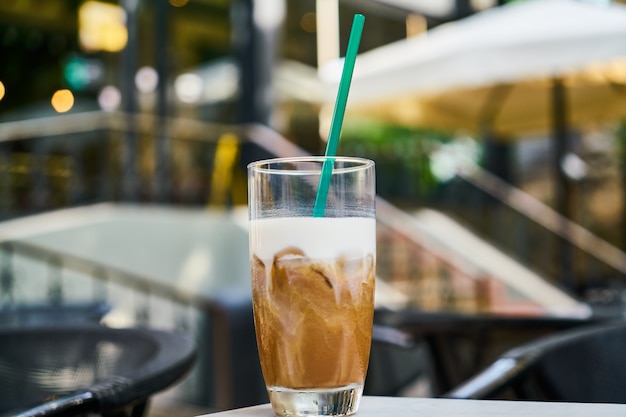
x=431 y=407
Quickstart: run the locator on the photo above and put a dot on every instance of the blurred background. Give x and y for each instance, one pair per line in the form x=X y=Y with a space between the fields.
x=126 y=126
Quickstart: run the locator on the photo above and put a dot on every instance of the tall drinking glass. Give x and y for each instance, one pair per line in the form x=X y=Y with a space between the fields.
x=313 y=281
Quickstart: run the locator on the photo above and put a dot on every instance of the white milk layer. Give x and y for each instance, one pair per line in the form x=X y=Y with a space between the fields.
x=317 y=237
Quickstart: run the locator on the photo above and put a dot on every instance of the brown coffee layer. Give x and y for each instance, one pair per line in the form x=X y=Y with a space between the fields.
x=313 y=319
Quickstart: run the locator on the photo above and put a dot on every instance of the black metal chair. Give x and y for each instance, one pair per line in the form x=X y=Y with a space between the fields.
x=457 y=346
x=585 y=364
x=78 y=369
x=396 y=361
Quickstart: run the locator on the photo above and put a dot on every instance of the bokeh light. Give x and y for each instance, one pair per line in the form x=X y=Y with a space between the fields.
x=178 y=3
x=308 y=22
x=271 y=15
x=448 y=158
x=480 y=5
x=1 y=90
x=102 y=26
x=109 y=98
x=62 y=100
x=188 y=88
x=146 y=79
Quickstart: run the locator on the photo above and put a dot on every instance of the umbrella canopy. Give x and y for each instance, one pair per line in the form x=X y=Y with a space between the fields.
x=496 y=70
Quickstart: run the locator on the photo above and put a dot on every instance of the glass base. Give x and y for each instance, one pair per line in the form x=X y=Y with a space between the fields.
x=341 y=401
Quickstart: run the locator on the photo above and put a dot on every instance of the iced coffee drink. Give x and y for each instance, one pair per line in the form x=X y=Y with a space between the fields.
x=313 y=297
x=313 y=300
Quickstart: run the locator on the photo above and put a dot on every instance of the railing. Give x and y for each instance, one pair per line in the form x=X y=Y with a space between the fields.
x=86 y=158
x=88 y=162
x=536 y=235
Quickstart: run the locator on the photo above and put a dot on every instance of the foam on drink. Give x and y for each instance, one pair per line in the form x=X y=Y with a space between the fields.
x=318 y=237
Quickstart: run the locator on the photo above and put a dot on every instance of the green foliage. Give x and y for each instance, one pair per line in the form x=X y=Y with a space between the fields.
x=402 y=156
x=382 y=134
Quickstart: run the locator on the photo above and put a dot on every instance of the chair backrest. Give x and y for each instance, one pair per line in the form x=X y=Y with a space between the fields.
x=586 y=364
x=103 y=367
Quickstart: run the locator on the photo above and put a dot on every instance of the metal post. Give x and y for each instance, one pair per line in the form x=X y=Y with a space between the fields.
x=161 y=145
x=39 y=196
x=245 y=55
x=129 y=104
x=76 y=181
x=463 y=9
x=7 y=275
x=623 y=175
x=7 y=195
x=255 y=49
x=255 y=37
x=562 y=189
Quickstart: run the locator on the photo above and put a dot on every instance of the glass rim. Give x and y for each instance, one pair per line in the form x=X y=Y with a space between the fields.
x=360 y=164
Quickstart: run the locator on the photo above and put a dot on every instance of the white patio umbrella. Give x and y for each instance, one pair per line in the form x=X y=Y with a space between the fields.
x=538 y=66
x=497 y=70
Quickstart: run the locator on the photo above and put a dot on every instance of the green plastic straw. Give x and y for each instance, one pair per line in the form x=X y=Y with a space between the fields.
x=338 y=113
